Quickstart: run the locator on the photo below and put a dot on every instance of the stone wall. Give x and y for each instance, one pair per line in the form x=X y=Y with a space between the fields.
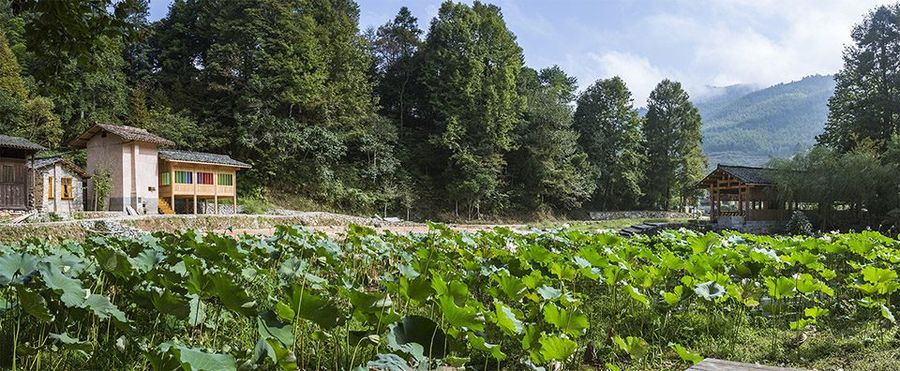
x=225 y=207
x=637 y=214
x=55 y=203
x=737 y=223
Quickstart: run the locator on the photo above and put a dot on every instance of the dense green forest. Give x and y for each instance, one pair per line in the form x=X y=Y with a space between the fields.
x=443 y=121
x=746 y=126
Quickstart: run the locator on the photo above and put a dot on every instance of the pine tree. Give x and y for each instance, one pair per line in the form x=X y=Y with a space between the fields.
x=866 y=100
x=610 y=133
x=470 y=66
x=675 y=160
x=548 y=171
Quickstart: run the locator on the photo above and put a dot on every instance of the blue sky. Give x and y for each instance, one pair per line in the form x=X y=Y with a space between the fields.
x=698 y=42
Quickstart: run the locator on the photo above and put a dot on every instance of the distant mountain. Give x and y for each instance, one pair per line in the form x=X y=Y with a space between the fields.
x=746 y=126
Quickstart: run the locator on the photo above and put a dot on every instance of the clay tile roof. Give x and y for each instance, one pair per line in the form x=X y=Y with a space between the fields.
x=7 y=141
x=200 y=157
x=128 y=133
x=40 y=163
x=746 y=174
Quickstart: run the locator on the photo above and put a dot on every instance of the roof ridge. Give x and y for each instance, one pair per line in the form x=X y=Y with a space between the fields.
x=747 y=167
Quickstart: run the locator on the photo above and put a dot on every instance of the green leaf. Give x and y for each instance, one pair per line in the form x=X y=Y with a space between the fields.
x=569 y=322
x=34 y=304
x=198 y=360
x=636 y=347
x=781 y=287
x=167 y=302
x=388 y=362
x=686 y=355
x=554 y=348
x=887 y=314
x=103 y=308
x=673 y=297
x=709 y=290
x=549 y=293
x=506 y=319
x=479 y=343
x=284 y=311
x=417 y=336
x=70 y=342
x=16 y=268
x=73 y=295
x=464 y=317
x=815 y=312
x=315 y=308
x=232 y=296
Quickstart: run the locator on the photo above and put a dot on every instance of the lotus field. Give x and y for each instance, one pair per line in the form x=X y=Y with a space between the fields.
x=489 y=300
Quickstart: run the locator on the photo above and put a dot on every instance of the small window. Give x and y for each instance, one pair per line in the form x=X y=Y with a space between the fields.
x=50 y=188
x=165 y=178
x=226 y=180
x=204 y=178
x=66 y=184
x=184 y=177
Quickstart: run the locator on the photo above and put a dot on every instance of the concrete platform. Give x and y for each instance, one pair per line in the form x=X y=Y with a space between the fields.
x=712 y=364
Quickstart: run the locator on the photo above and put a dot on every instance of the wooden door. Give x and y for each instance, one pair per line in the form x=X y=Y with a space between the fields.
x=12 y=184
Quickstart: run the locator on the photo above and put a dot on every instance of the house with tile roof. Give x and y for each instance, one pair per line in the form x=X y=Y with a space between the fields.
x=147 y=177
x=58 y=185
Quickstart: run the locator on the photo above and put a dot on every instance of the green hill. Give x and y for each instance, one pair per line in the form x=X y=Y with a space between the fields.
x=743 y=126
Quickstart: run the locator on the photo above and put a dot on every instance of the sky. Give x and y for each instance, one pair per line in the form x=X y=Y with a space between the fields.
x=701 y=43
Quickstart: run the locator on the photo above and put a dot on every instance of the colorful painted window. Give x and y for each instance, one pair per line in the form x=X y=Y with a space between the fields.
x=50 y=188
x=184 y=177
x=165 y=179
x=226 y=180
x=204 y=178
x=66 y=184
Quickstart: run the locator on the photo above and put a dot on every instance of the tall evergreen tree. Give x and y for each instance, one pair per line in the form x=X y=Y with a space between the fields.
x=395 y=47
x=610 y=133
x=675 y=160
x=548 y=171
x=866 y=100
x=470 y=65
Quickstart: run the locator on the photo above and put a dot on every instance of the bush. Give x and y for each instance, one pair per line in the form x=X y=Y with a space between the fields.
x=799 y=225
x=254 y=205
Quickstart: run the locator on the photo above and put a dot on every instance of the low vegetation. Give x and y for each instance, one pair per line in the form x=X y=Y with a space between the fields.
x=487 y=300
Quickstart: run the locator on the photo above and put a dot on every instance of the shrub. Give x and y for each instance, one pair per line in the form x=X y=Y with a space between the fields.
x=799 y=225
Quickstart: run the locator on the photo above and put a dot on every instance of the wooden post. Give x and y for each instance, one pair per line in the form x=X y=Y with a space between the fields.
x=234 y=203
x=195 y=203
x=172 y=186
x=216 y=203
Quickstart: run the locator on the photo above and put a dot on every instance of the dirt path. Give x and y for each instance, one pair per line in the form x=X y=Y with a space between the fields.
x=337 y=230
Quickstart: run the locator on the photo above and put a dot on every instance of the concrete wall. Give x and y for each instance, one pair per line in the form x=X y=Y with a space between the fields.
x=133 y=172
x=140 y=164
x=45 y=202
x=105 y=153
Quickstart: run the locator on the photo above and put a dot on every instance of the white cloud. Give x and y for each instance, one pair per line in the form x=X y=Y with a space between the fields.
x=718 y=43
x=640 y=75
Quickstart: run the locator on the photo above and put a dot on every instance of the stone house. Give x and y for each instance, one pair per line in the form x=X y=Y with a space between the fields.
x=58 y=185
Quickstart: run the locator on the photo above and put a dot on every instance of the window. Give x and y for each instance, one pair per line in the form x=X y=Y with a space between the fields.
x=204 y=178
x=165 y=178
x=226 y=180
x=50 y=188
x=184 y=177
x=66 y=184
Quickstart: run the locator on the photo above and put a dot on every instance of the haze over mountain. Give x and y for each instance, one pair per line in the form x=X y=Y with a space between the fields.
x=743 y=125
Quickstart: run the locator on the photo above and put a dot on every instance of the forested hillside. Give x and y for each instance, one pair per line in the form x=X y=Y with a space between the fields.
x=398 y=119
x=745 y=127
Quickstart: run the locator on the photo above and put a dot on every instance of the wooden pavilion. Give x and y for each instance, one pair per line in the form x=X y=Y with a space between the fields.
x=743 y=191
x=197 y=177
